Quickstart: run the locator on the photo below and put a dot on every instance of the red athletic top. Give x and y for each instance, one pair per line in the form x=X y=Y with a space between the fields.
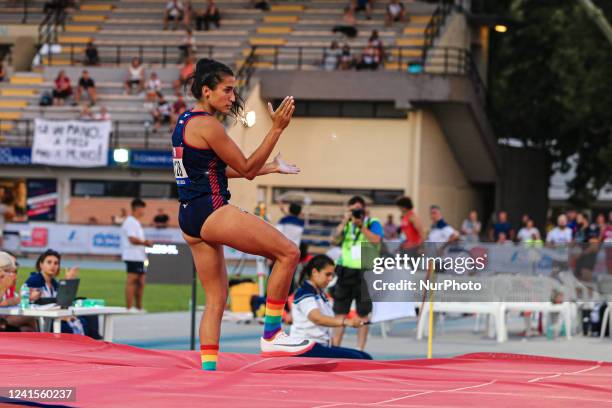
x=413 y=238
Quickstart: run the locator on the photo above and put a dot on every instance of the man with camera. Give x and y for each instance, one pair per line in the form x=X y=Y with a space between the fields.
x=356 y=228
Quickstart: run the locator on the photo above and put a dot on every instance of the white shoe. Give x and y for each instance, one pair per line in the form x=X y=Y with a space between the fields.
x=283 y=345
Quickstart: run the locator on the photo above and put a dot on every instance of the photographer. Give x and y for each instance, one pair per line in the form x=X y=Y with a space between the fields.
x=355 y=229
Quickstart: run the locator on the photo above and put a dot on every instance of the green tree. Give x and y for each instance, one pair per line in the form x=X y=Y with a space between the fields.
x=551 y=88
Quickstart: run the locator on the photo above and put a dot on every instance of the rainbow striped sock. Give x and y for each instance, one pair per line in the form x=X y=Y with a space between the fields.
x=273 y=317
x=209 y=354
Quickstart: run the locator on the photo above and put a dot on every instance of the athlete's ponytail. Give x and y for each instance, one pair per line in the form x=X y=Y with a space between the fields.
x=210 y=73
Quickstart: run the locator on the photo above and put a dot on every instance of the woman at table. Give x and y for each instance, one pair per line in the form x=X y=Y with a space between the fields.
x=313 y=316
x=9 y=298
x=43 y=285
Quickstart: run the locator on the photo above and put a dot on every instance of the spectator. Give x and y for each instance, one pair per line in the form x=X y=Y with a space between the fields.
x=153 y=87
x=210 y=15
x=184 y=74
x=331 y=57
x=103 y=114
x=600 y=221
x=174 y=12
x=86 y=84
x=178 y=108
x=471 y=227
x=502 y=225
x=370 y=58
x=9 y=297
x=86 y=113
x=411 y=226
x=363 y=5
x=2 y=72
x=162 y=115
x=313 y=316
x=188 y=46
x=440 y=231
x=348 y=24
x=262 y=5
x=588 y=238
x=91 y=55
x=377 y=43
x=43 y=287
x=356 y=229
x=161 y=220
x=346 y=58
x=6 y=211
x=572 y=222
x=503 y=240
x=395 y=12
x=291 y=225
x=118 y=219
x=606 y=239
x=133 y=245
x=390 y=229
x=62 y=90
x=561 y=234
x=135 y=76
x=529 y=233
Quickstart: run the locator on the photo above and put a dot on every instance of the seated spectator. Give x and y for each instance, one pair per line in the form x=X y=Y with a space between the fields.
x=262 y=5
x=378 y=44
x=103 y=114
x=390 y=228
x=135 y=77
x=561 y=235
x=184 y=74
x=178 y=108
x=86 y=113
x=43 y=285
x=62 y=90
x=9 y=297
x=2 y=72
x=346 y=58
x=118 y=219
x=210 y=15
x=313 y=316
x=363 y=5
x=331 y=58
x=91 y=54
x=188 y=46
x=161 y=219
x=291 y=225
x=86 y=84
x=174 y=12
x=162 y=114
x=395 y=12
x=529 y=233
x=370 y=58
x=153 y=87
x=348 y=24
x=502 y=225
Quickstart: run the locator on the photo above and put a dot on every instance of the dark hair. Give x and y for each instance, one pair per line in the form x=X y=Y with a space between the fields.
x=45 y=255
x=318 y=262
x=357 y=199
x=210 y=73
x=138 y=203
x=404 y=202
x=295 y=209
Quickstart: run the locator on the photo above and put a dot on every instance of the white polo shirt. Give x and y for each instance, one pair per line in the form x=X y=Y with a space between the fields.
x=131 y=227
x=308 y=298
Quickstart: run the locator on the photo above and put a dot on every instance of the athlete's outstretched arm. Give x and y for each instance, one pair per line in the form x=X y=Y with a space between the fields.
x=231 y=154
x=276 y=166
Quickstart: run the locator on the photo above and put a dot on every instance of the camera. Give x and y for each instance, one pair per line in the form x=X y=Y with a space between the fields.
x=358 y=213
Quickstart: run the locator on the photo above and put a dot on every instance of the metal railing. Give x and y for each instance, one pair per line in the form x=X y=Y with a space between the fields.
x=116 y=55
x=49 y=27
x=438 y=18
x=124 y=133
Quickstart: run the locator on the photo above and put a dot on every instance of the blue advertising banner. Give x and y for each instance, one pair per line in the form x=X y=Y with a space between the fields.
x=151 y=159
x=20 y=156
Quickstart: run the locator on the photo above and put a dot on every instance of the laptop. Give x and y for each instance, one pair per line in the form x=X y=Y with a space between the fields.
x=66 y=292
